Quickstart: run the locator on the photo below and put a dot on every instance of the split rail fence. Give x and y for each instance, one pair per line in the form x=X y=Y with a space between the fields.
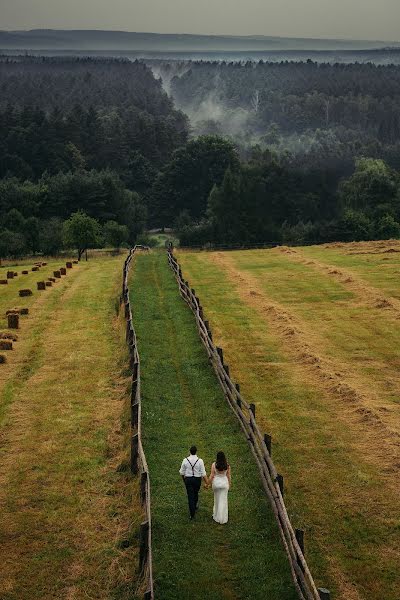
x=138 y=459
x=260 y=444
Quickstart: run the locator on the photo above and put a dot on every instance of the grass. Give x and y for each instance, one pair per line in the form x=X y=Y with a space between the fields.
x=338 y=454
x=65 y=505
x=183 y=404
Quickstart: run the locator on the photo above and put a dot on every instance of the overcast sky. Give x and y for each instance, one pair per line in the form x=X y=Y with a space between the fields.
x=360 y=19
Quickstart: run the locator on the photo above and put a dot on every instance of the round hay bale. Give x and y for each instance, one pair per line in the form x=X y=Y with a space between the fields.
x=24 y=311
x=2 y=359
x=41 y=285
x=25 y=272
x=68 y=265
x=6 y=345
x=3 y=281
x=57 y=274
x=10 y=274
x=25 y=292
x=63 y=271
x=48 y=284
x=13 y=321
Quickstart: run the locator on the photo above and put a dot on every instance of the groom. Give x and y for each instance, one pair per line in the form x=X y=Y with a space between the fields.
x=193 y=471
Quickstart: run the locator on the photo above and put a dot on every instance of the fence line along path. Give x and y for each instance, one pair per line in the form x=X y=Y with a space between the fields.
x=138 y=458
x=272 y=481
x=183 y=404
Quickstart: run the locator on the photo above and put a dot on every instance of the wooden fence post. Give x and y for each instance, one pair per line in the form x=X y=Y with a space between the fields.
x=220 y=354
x=268 y=443
x=135 y=415
x=143 y=487
x=279 y=479
x=144 y=545
x=324 y=594
x=135 y=454
x=299 y=533
x=253 y=409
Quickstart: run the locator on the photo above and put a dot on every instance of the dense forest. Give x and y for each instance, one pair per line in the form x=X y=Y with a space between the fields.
x=79 y=134
x=290 y=152
x=301 y=108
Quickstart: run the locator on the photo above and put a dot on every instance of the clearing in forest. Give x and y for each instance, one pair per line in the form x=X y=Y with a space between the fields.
x=65 y=506
x=313 y=337
x=182 y=405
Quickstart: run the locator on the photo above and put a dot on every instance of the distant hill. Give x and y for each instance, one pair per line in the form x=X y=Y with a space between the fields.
x=51 y=39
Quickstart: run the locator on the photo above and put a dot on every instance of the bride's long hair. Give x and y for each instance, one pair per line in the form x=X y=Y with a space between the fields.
x=220 y=463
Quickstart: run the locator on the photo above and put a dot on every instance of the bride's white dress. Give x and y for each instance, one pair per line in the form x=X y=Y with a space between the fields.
x=220 y=486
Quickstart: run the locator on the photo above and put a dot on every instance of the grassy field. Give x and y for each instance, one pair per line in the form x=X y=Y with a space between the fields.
x=313 y=337
x=66 y=508
x=182 y=405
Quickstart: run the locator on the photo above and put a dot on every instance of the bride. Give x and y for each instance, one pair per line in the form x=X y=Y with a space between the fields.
x=220 y=479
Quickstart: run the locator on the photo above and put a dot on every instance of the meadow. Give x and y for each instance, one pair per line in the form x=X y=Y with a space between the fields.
x=312 y=335
x=69 y=509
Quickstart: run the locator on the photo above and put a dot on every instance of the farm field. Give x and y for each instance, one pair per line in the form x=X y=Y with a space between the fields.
x=183 y=404
x=66 y=508
x=313 y=337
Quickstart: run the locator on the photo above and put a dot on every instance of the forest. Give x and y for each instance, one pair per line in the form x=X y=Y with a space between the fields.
x=226 y=153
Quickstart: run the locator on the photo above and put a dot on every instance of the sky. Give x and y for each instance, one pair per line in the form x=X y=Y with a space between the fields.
x=352 y=19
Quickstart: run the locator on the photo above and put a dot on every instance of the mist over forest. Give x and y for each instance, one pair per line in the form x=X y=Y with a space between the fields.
x=225 y=151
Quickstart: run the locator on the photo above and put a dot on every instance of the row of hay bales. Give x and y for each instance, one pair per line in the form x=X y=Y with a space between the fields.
x=13 y=315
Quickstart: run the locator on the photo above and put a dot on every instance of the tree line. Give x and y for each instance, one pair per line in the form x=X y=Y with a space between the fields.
x=79 y=136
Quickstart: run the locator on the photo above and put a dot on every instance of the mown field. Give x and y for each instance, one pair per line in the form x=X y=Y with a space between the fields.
x=182 y=405
x=313 y=336
x=69 y=513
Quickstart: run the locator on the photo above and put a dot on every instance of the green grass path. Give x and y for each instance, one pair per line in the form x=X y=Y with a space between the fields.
x=183 y=404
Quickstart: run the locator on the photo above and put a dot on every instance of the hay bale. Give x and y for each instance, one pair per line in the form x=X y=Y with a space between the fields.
x=13 y=321
x=10 y=274
x=63 y=271
x=68 y=265
x=44 y=264
x=24 y=311
x=57 y=274
x=48 y=284
x=35 y=268
x=25 y=272
x=41 y=285
x=3 y=281
x=76 y=262
x=15 y=274
x=25 y=292
x=52 y=279
x=2 y=359
x=6 y=335
x=12 y=311
x=6 y=345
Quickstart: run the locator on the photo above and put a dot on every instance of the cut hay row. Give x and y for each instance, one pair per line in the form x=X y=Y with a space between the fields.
x=69 y=507
x=320 y=363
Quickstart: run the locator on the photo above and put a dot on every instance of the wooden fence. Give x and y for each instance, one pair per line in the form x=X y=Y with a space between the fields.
x=260 y=444
x=138 y=459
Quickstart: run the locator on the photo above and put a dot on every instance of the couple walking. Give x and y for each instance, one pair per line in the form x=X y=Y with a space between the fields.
x=193 y=471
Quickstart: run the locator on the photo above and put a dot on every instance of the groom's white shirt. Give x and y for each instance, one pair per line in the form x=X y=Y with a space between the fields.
x=198 y=468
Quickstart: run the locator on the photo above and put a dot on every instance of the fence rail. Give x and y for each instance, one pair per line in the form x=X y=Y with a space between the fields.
x=138 y=459
x=260 y=444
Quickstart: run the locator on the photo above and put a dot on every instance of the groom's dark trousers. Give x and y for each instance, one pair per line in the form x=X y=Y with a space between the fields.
x=193 y=485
